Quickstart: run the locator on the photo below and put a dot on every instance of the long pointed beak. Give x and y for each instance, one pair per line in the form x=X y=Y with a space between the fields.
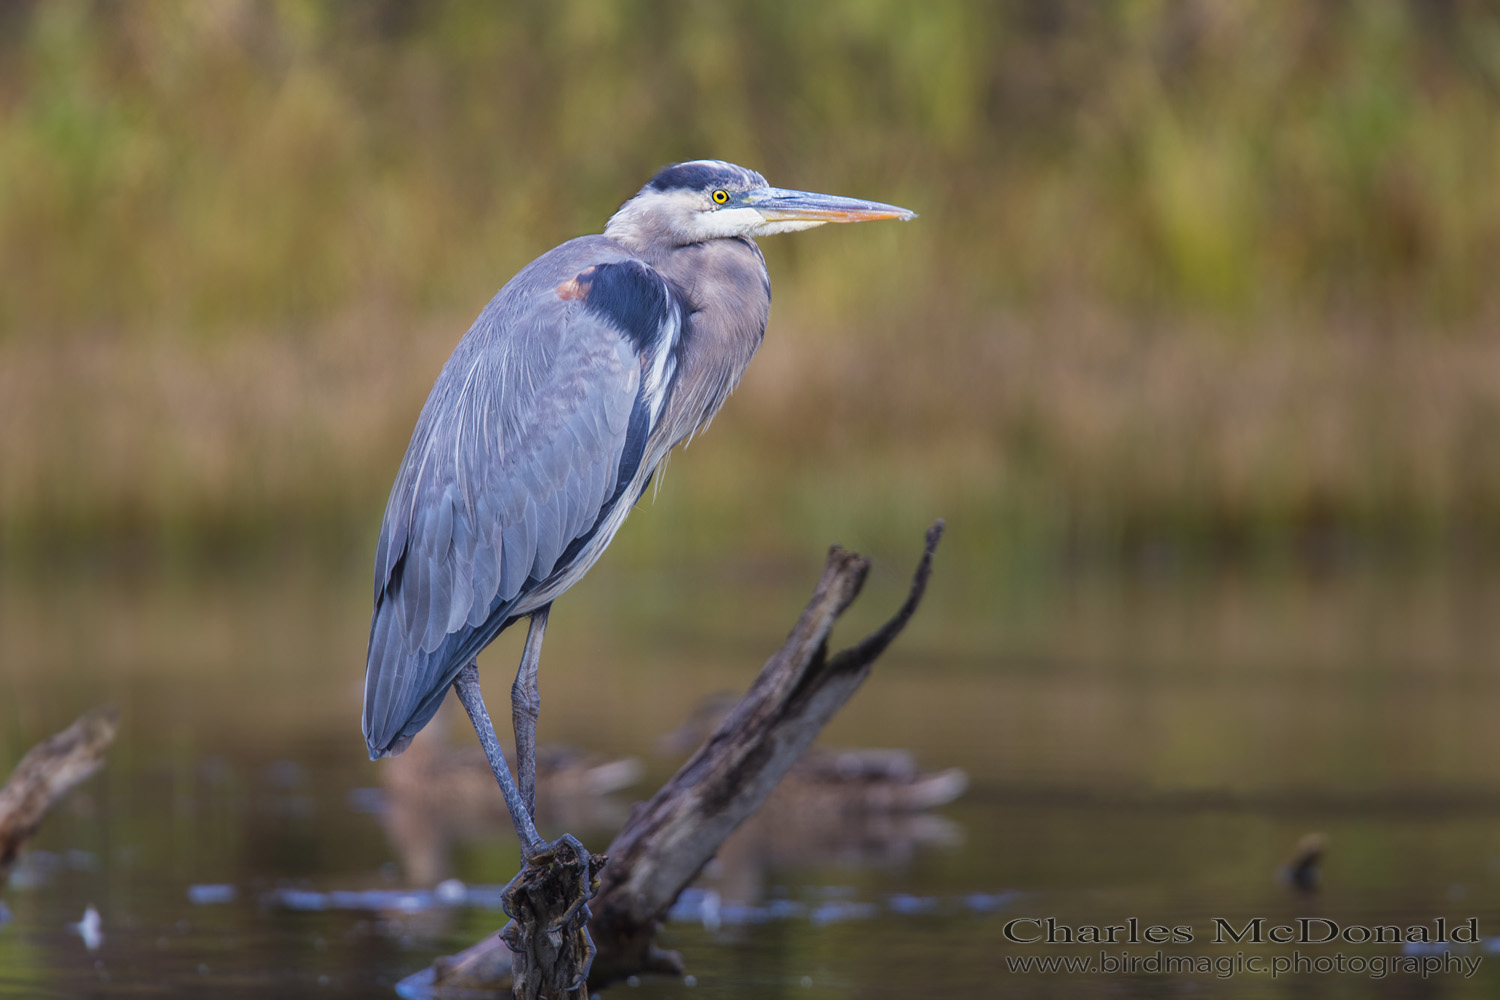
x=781 y=205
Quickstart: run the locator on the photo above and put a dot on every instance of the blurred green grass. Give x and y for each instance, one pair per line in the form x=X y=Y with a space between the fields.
x=1214 y=277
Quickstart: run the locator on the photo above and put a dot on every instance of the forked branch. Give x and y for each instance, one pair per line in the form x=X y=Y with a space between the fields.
x=667 y=841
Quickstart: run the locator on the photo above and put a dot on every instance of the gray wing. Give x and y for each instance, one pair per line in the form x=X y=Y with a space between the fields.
x=532 y=431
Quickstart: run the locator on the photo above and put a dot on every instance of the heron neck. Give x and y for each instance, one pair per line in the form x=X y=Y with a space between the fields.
x=727 y=300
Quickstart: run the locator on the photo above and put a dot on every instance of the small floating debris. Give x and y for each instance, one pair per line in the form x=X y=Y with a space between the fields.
x=483 y=897
x=985 y=902
x=691 y=905
x=1431 y=947
x=1490 y=946
x=447 y=894
x=840 y=912
x=712 y=912
x=705 y=906
x=381 y=899
x=830 y=905
x=298 y=899
x=211 y=894
x=89 y=929
x=899 y=902
x=697 y=905
x=701 y=905
x=1303 y=871
x=785 y=909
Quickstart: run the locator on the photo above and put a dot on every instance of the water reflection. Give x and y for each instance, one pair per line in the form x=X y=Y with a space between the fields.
x=835 y=808
x=437 y=794
x=1140 y=750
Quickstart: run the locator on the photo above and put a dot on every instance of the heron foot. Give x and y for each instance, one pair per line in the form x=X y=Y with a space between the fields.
x=547 y=903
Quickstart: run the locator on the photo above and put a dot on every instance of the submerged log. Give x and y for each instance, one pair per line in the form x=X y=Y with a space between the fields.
x=667 y=841
x=47 y=773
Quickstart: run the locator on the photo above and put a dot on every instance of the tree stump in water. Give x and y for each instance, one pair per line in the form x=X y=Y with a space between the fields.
x=47 y=773
x=668 y=840
x=548 y=935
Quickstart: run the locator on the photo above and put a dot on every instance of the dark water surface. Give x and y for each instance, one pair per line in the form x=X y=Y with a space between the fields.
x=1147 y=750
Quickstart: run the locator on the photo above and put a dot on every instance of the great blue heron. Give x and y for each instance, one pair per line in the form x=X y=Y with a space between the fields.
x=545 y=427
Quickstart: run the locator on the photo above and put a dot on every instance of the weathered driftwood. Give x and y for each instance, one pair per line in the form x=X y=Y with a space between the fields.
x=47 y=772
x=667 y=841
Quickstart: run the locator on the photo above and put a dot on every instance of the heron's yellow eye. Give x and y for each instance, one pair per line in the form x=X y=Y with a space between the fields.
x=721 y=196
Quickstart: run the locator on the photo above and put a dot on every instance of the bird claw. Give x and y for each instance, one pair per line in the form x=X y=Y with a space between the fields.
x=586 y=963
x=508 y=893
x=567 y=918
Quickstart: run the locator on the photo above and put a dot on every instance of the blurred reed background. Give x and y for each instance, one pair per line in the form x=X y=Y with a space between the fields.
x=1196 y=345
x=1191 y=277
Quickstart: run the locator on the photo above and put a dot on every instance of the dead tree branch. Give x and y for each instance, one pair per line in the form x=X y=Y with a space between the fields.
x=667 y=841
x=47 y=772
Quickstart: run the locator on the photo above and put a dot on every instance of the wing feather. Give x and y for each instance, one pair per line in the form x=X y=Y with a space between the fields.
x=520 y=549
x=486 y=562
x=523 y=446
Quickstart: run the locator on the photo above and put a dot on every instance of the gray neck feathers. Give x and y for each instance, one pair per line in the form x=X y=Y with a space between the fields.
x=727 y=294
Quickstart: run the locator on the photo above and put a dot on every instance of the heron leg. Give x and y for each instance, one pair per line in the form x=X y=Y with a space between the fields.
x=526 y=706
x=466 y=685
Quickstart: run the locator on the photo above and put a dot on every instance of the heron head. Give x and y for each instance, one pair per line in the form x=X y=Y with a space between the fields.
x=710 y=199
